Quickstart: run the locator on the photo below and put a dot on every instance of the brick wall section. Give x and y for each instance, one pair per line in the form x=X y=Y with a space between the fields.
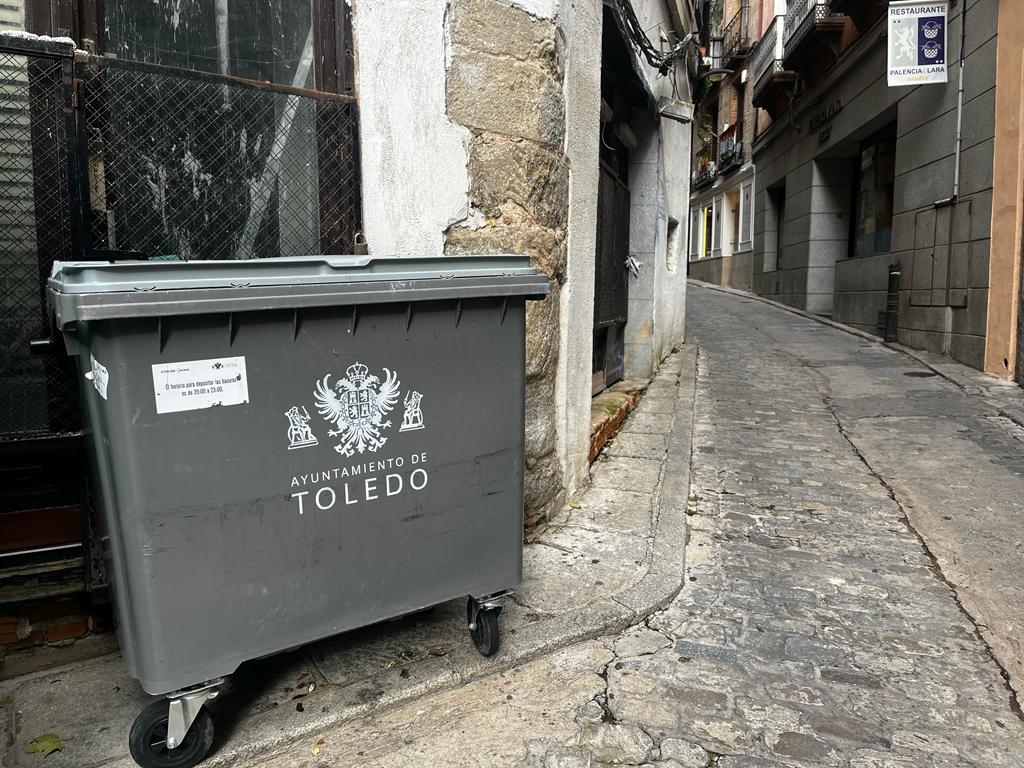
x=54 y=620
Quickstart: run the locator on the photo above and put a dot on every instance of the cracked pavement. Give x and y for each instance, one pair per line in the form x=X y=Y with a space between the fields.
x=835 y=503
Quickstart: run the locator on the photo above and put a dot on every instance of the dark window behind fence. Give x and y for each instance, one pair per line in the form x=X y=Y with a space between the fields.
x=104 y=158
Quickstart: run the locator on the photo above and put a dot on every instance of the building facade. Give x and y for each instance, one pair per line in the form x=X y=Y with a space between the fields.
x=721 y=242
x=224 y=129
x=855 y=177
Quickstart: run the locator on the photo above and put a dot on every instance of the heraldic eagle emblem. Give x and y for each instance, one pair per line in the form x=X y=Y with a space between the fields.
x=357 y=405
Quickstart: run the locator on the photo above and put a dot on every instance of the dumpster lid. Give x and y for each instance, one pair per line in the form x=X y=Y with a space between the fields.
x=107 y=277
x=92 y=290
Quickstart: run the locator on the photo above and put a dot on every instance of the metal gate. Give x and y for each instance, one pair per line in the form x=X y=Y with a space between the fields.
x=102 y=158
x=611 y=278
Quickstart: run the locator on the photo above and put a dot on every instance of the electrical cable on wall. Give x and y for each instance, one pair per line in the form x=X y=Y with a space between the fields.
x=632 y=30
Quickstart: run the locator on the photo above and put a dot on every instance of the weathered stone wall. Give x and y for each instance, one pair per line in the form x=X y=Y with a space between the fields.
x=504 y=83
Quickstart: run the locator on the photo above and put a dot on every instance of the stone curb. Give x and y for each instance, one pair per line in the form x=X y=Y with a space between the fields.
x=255 y=737
x=962 y=382
x=661 y=583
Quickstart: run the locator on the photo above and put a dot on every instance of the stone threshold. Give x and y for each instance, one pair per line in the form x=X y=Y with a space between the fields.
x=609 y=409
x=606 y=561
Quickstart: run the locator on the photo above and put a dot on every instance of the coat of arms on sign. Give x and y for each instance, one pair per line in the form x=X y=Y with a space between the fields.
x=357 y=405
x=300 y=435
x=413 y=416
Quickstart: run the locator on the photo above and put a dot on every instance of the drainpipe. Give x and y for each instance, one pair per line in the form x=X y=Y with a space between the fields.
x=954 y=198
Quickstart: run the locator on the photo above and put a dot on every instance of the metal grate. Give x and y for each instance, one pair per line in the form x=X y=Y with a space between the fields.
x=196 y=166
x=103 y=158
x=37 y=397
x=611 y=278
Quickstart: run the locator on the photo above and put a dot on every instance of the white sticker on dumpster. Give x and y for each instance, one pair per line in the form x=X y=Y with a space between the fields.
x=192 y=385
x=99 y=376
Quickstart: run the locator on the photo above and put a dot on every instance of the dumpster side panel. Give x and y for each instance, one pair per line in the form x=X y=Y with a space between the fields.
x=375 y=469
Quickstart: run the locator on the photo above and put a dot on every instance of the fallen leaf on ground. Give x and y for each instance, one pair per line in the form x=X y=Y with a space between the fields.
x=45 y=743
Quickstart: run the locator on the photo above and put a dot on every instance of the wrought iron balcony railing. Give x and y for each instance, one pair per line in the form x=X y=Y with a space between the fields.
x=704 y=175
x=736 y=34
x=767 y=56
x=801 y=15
x=730 y=153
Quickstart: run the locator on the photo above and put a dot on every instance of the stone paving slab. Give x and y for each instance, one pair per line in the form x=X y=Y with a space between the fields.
x=594 y=570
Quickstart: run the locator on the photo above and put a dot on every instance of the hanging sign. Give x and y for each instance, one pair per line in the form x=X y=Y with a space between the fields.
x=917 y=42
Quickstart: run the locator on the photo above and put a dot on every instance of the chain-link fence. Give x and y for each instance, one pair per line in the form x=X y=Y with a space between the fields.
x=103 y=158
x=195 y=166
x=36 y=394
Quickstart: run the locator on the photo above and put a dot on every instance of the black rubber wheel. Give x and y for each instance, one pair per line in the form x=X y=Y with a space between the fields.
x=486 y=636
x=148 y=739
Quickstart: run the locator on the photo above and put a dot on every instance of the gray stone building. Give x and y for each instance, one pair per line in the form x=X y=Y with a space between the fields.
x=854 y=176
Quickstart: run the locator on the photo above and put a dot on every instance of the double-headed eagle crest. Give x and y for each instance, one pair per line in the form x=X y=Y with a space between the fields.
x=357 y=405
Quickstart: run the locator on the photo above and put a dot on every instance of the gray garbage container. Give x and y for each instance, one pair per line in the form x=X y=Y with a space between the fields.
x=286 y=449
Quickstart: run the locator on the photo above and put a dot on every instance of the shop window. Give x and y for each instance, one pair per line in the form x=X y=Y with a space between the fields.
x=874 y=181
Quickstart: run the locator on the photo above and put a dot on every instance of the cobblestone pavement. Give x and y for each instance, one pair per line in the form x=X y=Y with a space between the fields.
x=815 y=627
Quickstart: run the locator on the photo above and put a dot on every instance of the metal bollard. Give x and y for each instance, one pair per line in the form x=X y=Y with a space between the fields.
x=892 y=300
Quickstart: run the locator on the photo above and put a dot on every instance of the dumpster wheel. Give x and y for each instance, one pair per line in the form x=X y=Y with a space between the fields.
x=483 y=626
x=147 y=740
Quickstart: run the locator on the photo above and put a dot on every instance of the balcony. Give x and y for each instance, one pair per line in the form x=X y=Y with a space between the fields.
x=862 y=14
x=736 y=40
x=810 y=24
x=730 y=151
x=770 y=77
x=705 y=168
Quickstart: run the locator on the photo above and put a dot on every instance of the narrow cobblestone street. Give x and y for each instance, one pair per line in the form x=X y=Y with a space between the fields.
x=816 y=628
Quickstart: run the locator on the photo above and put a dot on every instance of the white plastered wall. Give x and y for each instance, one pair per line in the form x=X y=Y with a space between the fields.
x=659 y=189
x=581 y=23
x=414 y=178
x=415 y=181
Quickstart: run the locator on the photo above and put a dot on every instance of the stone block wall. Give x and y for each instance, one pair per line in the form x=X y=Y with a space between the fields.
x=504 y=84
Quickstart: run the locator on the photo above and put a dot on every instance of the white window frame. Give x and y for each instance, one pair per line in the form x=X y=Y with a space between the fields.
x=694 y=234
x=718 y=205
x=746 y=216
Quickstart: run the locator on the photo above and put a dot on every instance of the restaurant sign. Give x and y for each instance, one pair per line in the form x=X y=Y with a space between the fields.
x=917 y=42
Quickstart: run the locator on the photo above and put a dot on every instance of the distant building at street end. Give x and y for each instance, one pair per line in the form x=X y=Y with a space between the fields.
x=855 y=176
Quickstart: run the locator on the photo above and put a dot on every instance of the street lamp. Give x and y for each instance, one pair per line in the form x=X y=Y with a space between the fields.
x=715 y=74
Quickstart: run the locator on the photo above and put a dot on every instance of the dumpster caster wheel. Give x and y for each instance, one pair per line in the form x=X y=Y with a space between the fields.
x=484 y=629
x=148 y=739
